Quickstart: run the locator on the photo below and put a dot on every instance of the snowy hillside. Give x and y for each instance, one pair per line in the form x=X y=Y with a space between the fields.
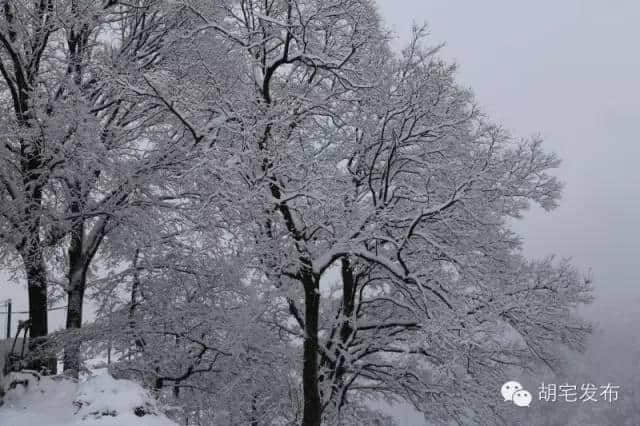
x=100 y=400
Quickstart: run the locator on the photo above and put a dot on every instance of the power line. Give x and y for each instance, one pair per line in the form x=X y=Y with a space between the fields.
x=26 y=312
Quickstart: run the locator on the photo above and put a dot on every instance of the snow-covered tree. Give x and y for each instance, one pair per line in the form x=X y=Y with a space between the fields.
x=76 y=148
x=26 y=30
x=379 y=172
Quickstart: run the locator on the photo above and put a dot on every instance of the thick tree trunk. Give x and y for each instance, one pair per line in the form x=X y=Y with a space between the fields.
x=346 y=328
x=339 y=338
x=74 y=322
x=37 y=289
x=348 y=300
x=349 y=286
x=75 y=293
x=31 y=250
x=312 y=414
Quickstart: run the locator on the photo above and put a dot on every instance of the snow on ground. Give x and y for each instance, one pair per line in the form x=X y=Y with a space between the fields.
x=99 y=400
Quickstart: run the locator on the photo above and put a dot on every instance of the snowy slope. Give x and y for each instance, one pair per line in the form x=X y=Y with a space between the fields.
x=99 y=400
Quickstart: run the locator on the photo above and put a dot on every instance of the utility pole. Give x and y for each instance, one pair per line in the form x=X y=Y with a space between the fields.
x=8 y=319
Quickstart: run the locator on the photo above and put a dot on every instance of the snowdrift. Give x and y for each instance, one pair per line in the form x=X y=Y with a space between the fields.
x=100 y=400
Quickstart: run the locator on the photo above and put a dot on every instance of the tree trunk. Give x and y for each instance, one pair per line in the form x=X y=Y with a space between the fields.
x=346 y=328
x=75 y=292
x=254 y=416
x=38 y=329
x=37 y=285
x=37 y=289
x=312 y=414
x=74 y=322
x=31 y=247
x=35 y=270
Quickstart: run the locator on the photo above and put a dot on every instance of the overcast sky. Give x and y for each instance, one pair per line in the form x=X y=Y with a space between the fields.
x=567 y=70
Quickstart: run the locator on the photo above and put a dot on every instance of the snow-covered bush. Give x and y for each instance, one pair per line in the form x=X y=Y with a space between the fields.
x=63 y=401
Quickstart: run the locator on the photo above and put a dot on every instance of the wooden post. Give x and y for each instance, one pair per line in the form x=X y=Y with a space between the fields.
x=8 y=319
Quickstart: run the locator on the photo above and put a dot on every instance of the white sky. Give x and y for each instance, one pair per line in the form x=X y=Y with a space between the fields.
x=569 y=71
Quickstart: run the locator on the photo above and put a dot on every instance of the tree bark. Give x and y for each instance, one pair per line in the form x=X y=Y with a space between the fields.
x=31 y=251
x=312 y=414
x=37 y=289
x=77 y=280
x=338 y=343
x=349 y=285
x=77 y=284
